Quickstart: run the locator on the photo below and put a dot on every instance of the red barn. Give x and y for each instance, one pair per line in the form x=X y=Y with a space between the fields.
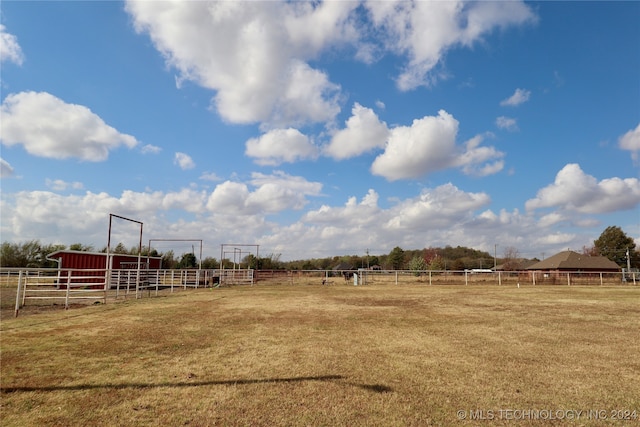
x=75 y=261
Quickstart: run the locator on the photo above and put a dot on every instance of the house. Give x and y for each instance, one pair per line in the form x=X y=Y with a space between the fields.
x=573 y=261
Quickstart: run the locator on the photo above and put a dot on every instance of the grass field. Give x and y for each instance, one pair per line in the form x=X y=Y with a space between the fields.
x=378 y=355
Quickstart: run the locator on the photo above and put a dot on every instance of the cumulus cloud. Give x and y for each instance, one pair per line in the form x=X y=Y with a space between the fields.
x=150 y=149
x=270 y=194
x=48 y=127
x=61 y=185
x=210 y=176
x=425 y=31
x=520 y=96
x=6 y=170
x=279 y=146
x=9 y=48
x=573 y=190
x=254 y=55
x=631 y=141
x=507 y=123
x=429 y=145
x=363 y=132
x=184 y=161
x=439 y=207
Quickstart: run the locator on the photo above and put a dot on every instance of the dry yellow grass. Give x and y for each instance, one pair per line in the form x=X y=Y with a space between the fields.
x=328 y=355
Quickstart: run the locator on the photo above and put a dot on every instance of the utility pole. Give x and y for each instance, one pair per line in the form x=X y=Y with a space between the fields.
x=495 y=259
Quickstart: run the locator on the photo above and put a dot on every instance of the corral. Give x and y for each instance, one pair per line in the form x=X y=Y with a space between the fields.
x=307 y=354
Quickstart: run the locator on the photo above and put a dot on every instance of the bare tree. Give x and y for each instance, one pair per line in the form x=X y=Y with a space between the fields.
x=511 y=258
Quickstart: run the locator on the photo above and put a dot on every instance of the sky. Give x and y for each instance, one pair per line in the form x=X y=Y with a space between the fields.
x=320 y=129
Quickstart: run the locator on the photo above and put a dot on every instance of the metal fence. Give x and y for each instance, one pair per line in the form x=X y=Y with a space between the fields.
x=68 y=286
x=447 y=277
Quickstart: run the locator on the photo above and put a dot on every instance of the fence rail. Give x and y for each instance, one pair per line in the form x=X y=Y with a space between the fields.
x=449 y=277
x=49 y=286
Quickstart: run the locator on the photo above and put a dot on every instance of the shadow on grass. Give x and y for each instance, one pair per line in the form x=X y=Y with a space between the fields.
x=371 y=387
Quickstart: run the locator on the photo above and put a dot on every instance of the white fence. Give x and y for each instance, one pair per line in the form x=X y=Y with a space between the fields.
x=69 y=286
x=448 y=277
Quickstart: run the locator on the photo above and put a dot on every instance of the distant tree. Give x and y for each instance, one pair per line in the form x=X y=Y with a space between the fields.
x=511 y=259
x=396 y=258
x=417 y=264
x=27 y=254
x=81 y=247
x=168 y=260
x=458 y=265
x=188 y=260
x=437 y=263
x=613 y=243
x=325 y=263
x=590 y=251
x=210 y=263
x=120 y=249
x=270 y=262
x=48 y=250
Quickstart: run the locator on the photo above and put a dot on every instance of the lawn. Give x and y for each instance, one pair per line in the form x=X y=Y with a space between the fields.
x=376 y=355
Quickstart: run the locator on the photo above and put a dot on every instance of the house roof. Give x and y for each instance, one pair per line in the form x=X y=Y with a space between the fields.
x=343 y=266
x=569 y=260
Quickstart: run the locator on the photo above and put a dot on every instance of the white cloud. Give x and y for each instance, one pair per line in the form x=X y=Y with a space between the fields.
x=507 y=123
x=150 y=149
x=48 y=127
x=429 y=145
x=184 y=161
x=210 y=176
x=6 y=170
x=9 y=48
x=279 y=146
x=272 y=194
x=440 y=207
x=256 y=55
x=61 y=185
x=520 y=96
x=573 y=190
x=236 y=211
x=425 y=31
x=631 y=141
x=253 y=54
x=363 y=132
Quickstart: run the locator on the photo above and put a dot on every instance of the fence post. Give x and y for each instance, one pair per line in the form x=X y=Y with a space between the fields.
x=137 y=283
x=600 y=278
x=18 y=293
x=430 y=278
x=396 y=277
x=466 y=278
x=66 y=299
x=568 y=279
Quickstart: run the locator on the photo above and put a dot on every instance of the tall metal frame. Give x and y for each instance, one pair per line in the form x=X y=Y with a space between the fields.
x=110 y=261
x=180 y=240
x=235 y=248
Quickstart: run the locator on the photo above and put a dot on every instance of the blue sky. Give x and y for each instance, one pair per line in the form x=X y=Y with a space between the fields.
x=321 y=129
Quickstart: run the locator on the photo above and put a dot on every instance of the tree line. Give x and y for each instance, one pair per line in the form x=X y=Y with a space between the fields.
x=613 y=243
